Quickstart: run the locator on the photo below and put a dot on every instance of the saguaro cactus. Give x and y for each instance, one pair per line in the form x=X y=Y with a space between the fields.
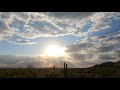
x=65 y=70
x=64 y=66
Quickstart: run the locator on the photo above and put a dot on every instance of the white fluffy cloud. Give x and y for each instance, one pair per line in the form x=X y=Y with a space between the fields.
x=23 y=27
x=97 y=49
x=48 y=24
x=101 y=20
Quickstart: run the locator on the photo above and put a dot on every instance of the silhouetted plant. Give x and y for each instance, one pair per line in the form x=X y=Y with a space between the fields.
x=30 y=66
x=52 y=72
x=65 y=70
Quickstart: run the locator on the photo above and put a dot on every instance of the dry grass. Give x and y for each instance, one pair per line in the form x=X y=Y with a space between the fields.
x=106 y=70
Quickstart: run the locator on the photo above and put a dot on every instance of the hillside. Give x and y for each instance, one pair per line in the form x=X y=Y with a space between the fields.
x=104 y=70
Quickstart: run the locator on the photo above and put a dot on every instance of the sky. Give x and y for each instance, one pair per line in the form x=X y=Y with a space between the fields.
x=89 y=38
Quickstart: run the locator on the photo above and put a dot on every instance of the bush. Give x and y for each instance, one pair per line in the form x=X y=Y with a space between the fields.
x=52 y=72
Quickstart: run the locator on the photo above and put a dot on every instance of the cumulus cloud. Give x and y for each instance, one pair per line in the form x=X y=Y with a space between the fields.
x=101 y=20
x=77 y=56
x=97 y=49
x=24 y=27
x=106 y=57
x=77 y=47
x=48 y=24
x=21 y=41
x=117 y=53
x=69 y=15
x=106 y=48
x=5 y=31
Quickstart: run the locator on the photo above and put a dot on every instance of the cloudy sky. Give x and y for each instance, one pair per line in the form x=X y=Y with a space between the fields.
x=89 y=38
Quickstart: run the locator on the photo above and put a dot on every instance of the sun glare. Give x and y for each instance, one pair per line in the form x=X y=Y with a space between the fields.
x=55 y=51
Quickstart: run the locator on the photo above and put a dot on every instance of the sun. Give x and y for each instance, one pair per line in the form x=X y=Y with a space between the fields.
x=55 y=51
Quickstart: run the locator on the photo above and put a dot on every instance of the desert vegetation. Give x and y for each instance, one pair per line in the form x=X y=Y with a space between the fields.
x=104 y=70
